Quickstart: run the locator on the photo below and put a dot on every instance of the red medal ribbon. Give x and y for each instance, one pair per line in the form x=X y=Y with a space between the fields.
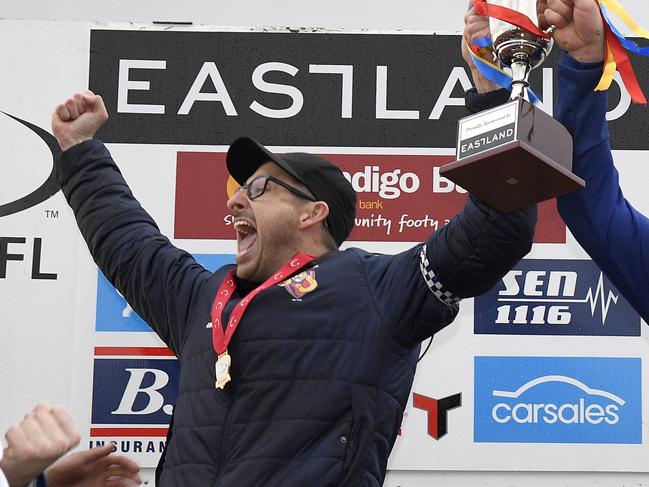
x=221 y=339
x=508 y=15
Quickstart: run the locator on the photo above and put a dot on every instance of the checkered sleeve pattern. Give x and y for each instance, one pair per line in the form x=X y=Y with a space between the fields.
x=436 y=287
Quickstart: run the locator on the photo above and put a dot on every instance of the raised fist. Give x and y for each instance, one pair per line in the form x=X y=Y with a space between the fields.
x=78 y=118
x=40 y=439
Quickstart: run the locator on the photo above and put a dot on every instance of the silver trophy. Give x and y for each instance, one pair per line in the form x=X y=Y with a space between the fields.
x=514 y=155
x=516 y=48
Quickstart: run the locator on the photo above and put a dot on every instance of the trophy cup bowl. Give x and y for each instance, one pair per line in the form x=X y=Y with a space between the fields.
x=517 y=45
x=514 y=155
x=517 y=49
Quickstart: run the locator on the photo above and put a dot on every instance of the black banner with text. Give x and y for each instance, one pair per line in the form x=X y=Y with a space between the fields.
x=301 y=89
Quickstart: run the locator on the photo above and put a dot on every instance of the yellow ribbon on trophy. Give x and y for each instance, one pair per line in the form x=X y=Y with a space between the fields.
x=616 y=46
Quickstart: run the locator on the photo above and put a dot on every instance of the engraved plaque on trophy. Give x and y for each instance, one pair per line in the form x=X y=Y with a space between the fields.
x=514 y=155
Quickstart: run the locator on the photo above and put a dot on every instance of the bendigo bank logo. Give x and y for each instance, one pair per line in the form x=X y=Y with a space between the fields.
x=387 y=185
x=133 y=392
x=400 y=198
x=555 y=297
x=47 y=188
x=558 y=400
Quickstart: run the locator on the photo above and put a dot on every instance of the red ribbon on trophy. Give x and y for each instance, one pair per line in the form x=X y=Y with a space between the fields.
x=513 y=17
x=617 y=45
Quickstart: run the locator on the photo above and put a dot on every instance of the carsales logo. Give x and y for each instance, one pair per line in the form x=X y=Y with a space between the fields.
x=550 y=413
x=558 y=400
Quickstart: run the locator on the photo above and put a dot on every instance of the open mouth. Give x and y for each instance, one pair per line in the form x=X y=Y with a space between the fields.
x=246 y=236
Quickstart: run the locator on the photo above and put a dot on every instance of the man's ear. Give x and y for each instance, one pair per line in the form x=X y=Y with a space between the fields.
x=314 y=214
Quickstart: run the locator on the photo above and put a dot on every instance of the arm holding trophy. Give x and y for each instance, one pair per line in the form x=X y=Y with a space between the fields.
x=614 y=234
x=605 y=224
x=515 y=154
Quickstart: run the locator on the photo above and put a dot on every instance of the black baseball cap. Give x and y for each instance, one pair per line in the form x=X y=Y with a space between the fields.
x=323 y=178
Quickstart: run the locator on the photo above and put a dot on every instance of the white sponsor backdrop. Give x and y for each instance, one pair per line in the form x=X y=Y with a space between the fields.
x=47 y=325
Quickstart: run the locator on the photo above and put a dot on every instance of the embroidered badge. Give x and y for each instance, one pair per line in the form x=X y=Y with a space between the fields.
x=300 y=284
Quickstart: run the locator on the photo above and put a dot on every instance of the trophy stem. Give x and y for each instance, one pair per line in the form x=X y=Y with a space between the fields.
x=520 y=73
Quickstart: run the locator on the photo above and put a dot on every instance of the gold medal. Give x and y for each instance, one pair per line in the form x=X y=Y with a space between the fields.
x=222 y=368
x=221 y=337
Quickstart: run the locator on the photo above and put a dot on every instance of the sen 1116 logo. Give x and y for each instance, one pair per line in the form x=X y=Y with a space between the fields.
x=555 y=297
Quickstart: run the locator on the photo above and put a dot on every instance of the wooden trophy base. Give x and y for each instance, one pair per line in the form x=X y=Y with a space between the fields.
x=513 y=156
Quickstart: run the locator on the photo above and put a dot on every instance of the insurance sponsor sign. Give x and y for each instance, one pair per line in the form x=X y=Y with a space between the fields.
x=133 y=395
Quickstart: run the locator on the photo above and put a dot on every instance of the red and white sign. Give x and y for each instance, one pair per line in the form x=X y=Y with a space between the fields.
x=401 y=198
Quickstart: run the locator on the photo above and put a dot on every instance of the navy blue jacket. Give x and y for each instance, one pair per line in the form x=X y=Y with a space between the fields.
x=605 y=224
x=319 y=384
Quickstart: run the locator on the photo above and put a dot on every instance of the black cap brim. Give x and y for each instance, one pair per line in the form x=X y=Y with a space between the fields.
x=246 y=155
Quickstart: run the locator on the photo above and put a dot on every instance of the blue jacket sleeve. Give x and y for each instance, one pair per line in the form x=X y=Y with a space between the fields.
x=613 y=233
x=159 y=280
x=418 y=290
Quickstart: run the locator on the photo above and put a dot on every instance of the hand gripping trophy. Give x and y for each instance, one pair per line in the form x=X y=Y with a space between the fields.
x=517 y=49
x=514 y=155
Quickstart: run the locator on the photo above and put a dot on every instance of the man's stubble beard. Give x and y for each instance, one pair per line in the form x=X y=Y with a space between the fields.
x=275 y=249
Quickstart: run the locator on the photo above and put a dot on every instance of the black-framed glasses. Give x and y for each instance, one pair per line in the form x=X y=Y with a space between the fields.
x=255 y=188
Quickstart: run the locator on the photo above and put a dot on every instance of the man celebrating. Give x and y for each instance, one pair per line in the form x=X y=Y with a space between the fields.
x=607 y=226
x=303 y=373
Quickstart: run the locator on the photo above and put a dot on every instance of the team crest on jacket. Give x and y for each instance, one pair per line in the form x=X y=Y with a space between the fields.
x=300 y=284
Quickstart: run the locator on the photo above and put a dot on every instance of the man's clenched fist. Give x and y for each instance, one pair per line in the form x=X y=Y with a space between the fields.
x=78 y=118
x=580 y=29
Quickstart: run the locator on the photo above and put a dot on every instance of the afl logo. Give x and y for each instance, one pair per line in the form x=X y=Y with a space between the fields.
x=49 y=187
